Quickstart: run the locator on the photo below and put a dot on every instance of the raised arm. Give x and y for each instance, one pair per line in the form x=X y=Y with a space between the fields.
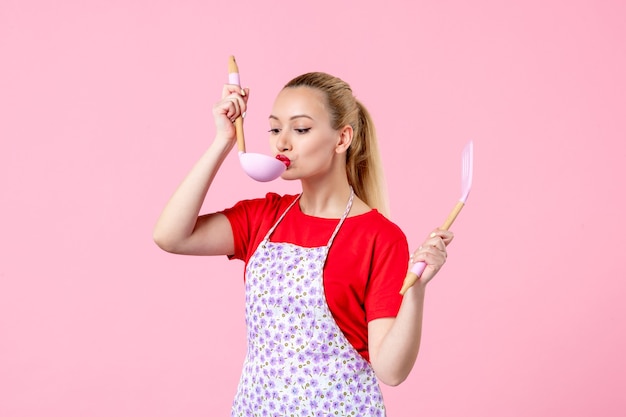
x=394 y=342
x=180 y=229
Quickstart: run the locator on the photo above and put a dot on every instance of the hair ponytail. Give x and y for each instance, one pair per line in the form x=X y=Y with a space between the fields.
x=363 y=162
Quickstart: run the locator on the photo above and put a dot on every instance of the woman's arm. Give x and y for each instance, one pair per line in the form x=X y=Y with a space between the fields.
x=394 y=342
x=179 y=228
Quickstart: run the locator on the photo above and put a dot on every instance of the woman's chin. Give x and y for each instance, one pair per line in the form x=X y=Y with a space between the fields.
x=288 y=176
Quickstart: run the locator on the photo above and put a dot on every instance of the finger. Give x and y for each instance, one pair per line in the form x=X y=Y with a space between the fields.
x=432 y=256
x=428 y=274
x=429 y=255
x=232 y=108
x=229 y=89
x=226 y=109
x=433 y=247
x=445 y=235
x=240 y=102
x=434 y=242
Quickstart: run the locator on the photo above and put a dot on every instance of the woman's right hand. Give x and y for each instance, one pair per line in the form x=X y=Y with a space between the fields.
x=232 y=105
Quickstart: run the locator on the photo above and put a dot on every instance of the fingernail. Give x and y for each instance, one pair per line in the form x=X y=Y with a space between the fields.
x=243 y=115
x=243 y=92
x=433 y=234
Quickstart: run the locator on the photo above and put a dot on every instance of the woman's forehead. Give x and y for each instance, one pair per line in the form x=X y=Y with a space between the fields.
x=292 y=101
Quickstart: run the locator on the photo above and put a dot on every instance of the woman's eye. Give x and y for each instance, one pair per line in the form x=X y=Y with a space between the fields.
x=274 y=131
x=302 y=131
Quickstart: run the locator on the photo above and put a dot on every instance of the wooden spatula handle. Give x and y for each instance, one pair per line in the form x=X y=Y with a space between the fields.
x=413 y=275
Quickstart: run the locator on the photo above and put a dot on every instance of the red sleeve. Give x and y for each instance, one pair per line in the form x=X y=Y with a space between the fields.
x=250 y=221
x=389 y=267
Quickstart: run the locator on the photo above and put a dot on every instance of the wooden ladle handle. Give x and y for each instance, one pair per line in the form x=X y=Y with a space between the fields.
x=233 y=78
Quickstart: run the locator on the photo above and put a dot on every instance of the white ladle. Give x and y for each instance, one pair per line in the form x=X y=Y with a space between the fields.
x=258 y=166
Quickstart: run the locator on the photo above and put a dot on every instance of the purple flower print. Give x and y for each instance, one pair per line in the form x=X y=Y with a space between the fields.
x=298 y=362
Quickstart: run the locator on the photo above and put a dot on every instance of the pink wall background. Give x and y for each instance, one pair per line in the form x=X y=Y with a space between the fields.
x=104 y=106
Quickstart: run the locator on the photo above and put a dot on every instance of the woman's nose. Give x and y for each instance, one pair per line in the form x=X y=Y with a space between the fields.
x=282 y=142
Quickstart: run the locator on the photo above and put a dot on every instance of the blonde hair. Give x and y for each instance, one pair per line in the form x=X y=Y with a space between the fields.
x=363 y=162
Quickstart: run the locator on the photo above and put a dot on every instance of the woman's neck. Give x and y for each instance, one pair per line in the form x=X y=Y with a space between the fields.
x=325 y=198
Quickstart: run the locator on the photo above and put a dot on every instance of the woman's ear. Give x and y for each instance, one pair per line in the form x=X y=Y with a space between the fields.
x=345 y=139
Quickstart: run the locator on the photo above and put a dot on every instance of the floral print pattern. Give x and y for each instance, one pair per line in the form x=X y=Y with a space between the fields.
x=299 y=362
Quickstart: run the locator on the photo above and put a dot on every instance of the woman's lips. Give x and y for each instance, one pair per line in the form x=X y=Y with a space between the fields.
x=284 y=160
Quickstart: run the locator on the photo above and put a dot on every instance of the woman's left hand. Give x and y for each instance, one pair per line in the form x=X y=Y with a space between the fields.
x=433 y=253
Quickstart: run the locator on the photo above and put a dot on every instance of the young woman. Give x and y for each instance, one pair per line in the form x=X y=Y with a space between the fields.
x=325 y=320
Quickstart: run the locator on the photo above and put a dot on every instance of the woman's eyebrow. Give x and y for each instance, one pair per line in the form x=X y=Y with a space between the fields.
x=297 y=116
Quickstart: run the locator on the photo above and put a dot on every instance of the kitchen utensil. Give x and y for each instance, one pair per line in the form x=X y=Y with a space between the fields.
x=467 y=161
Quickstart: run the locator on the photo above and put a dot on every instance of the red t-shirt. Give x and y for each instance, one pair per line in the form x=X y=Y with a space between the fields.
x=366 y=264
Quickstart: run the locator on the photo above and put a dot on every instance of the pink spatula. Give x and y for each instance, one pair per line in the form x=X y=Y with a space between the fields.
x=467 y=160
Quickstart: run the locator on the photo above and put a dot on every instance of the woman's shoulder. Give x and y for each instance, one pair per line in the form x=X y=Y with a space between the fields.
x=271 y=200
x=261 y=206
x=375 y=223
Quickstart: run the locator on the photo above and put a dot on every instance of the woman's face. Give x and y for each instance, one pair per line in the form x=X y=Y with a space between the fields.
x=300 y=130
